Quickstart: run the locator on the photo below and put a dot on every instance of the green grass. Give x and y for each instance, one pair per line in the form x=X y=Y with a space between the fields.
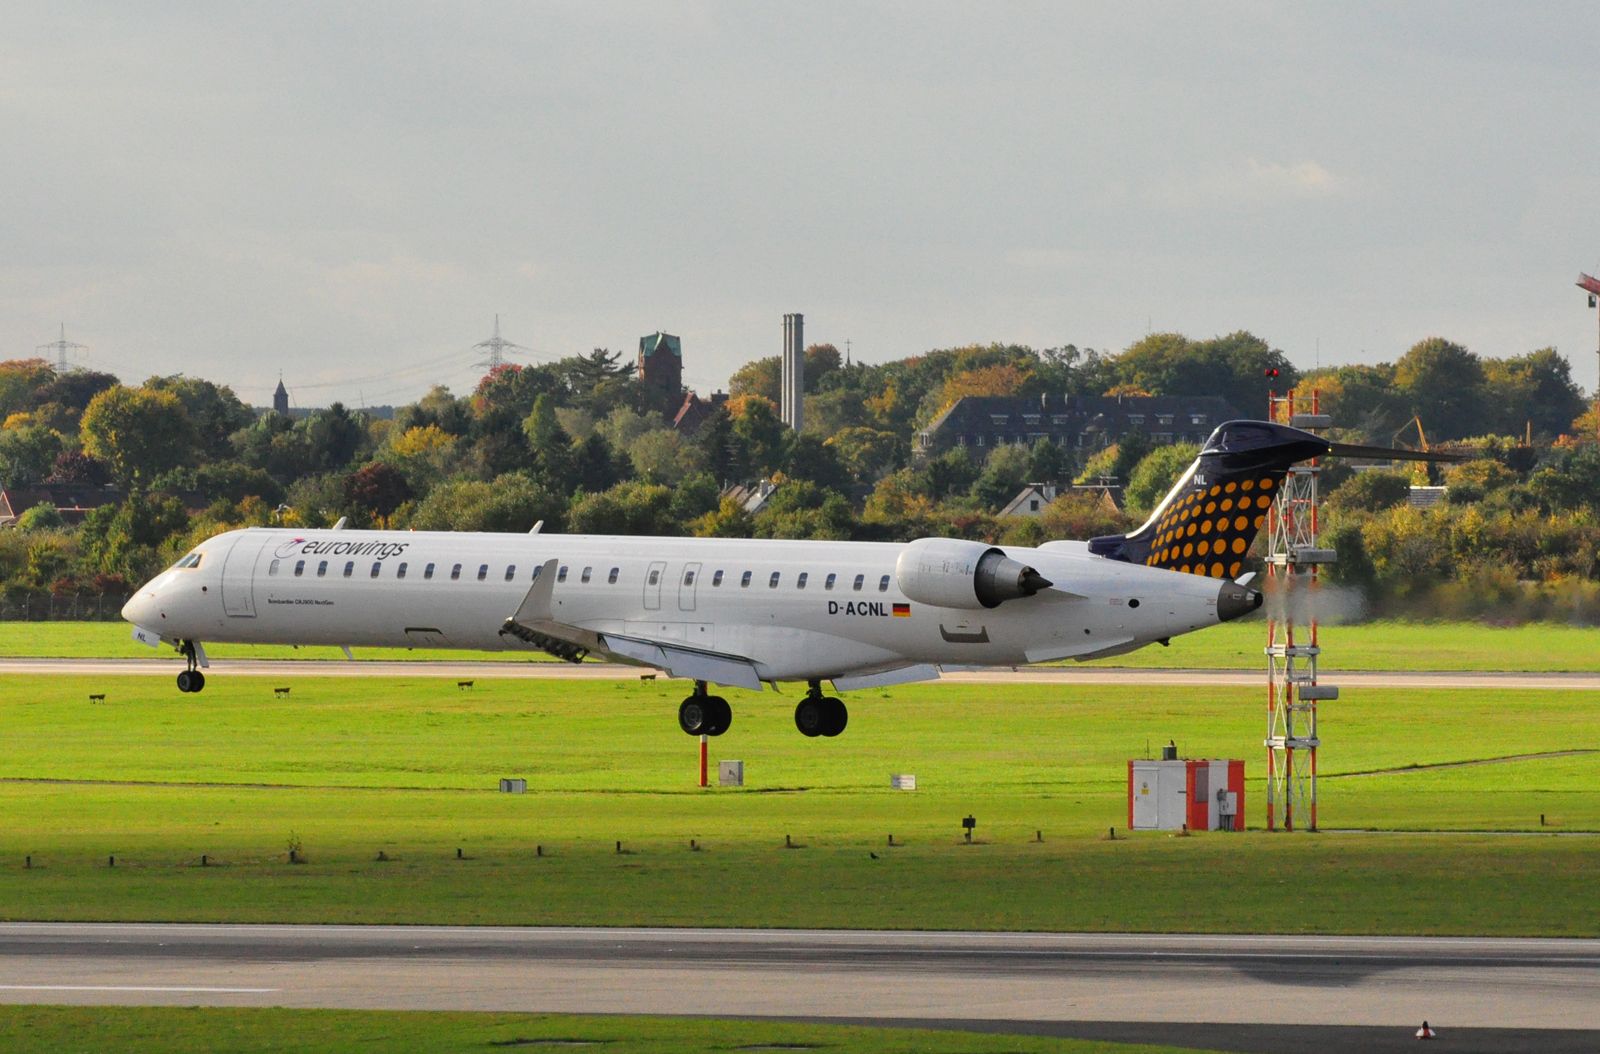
x=347 y=768
x=1453 y=646
x=182 y=1030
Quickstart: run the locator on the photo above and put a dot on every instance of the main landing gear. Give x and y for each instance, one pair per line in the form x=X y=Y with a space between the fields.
x=820 y=715
x=191 y=679
x=704 y=715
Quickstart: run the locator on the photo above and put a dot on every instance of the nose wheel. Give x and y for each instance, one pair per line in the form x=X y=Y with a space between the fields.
x=704 y=715
x=191 y=679
x=820 y=715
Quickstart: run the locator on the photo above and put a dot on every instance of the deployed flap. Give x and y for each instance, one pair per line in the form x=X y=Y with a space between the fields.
x=534 y=621
x=885 y=678
x=685 y=662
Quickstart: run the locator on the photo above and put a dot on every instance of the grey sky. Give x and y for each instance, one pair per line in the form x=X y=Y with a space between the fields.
x=350 y=192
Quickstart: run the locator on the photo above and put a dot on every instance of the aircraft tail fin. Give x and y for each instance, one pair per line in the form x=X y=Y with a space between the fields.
x=1205 y=524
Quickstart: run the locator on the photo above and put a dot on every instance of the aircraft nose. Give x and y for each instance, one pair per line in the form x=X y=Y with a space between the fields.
x=1235 y=600
x=140 y=608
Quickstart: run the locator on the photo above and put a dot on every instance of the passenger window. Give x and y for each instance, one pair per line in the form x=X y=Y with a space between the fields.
x=511 y=572
x=322 y=568
x=611 y=579
x=400 y=572
x=859 y=580
x=561 y=575
x=349 y=568
x=427 y=572
x=272 y=569
x=299 y=568
x=688 y=578
x=716 y=579
x=744 y=580
x=883 y=584
x=588 y=573
x=655 y=576
x=538 y=569
x=455 y=573
x=772 y=583
x=483 y=572
x=800 y=583
x=828 y=582
x=376 y=567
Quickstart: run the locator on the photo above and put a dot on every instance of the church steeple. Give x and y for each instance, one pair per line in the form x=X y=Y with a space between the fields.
x=280 y=398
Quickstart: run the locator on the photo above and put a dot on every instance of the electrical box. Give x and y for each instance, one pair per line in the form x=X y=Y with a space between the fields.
x=514 y=786
x=906 y=781
x=730 y=773
x=1201 y=794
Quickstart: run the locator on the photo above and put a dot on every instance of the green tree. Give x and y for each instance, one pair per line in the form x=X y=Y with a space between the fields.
x=138 y=433
x=511 y=503
x=1003 y=475
x=1155 y=475
x=801 y=509
x=761 y=377
x=1371 y=491
x=1443 y=384
x=631 y=508
x=550 y=447
x=27 y=454
x=213 y=410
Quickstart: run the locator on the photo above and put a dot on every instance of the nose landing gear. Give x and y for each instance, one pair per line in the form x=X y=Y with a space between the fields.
x=820 y=715
x=191 y=679
x=704 y=715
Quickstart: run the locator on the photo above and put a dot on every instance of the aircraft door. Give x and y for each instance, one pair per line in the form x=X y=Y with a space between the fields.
x=652 y=585
x=687 y=584
x=238 y=575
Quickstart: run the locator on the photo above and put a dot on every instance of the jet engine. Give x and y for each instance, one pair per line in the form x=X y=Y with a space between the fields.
x=952 y=573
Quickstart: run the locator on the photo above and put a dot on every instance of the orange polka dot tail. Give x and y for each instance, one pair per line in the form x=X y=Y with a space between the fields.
x=1205 y=524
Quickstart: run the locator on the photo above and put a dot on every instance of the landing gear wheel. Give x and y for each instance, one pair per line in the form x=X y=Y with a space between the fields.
x=191 y=679
x=719 y=715
x=692 y=715
x=809 y=717
x=835 y=717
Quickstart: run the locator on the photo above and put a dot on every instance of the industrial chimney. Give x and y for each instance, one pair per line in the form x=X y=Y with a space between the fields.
x=792 y=390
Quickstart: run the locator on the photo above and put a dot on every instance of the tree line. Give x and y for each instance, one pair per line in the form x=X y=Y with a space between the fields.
x=582 y=445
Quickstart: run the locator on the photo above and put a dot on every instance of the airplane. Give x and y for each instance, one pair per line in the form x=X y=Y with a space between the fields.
x=747 y=613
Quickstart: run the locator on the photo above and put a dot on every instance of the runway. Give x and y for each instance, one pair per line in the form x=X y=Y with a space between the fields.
x=1231 y=992
x=1088 y=675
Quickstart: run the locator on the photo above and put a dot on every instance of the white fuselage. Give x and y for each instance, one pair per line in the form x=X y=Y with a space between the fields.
x=799 y=610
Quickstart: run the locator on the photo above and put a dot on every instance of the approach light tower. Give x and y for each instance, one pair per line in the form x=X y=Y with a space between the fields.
x=1293 y=560
x=496 y=348
x=1591 y=285
x=61 y=346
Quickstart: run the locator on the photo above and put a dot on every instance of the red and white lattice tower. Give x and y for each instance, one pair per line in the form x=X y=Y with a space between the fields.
x=1293 y=560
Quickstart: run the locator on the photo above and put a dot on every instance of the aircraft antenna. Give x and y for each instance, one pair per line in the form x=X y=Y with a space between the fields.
x=61 y=347
x=1294 y=557
x=494 y=349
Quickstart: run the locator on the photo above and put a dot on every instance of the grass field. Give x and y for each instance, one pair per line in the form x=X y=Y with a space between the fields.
x=407 y=767
x=173 y=1030
x=1456 y=646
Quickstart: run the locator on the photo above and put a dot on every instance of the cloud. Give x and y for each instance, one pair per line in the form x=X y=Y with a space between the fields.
x=1249 y=182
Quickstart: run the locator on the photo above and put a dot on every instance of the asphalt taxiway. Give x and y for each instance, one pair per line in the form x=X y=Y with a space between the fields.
x=1225 y=992
x=1066 y=676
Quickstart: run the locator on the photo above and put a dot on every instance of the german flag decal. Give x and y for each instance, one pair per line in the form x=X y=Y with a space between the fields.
x=902 y=611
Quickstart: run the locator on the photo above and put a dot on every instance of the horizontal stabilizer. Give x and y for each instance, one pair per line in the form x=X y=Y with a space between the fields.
x=1392 y=453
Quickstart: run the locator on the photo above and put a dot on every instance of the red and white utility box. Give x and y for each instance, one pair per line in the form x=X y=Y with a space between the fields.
x=1202 y=794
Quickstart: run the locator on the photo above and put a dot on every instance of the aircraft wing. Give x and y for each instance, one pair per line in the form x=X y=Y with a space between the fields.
x=535 y=623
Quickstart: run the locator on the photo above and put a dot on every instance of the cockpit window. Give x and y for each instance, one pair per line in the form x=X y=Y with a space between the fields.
x=192 y=560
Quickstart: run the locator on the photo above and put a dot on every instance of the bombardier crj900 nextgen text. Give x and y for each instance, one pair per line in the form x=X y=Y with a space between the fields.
x=745 y=613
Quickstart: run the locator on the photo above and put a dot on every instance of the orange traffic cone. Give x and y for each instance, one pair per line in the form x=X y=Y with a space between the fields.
x=1425 y=1032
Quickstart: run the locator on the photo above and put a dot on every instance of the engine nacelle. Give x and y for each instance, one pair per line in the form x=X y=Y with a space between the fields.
x=952 y=573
